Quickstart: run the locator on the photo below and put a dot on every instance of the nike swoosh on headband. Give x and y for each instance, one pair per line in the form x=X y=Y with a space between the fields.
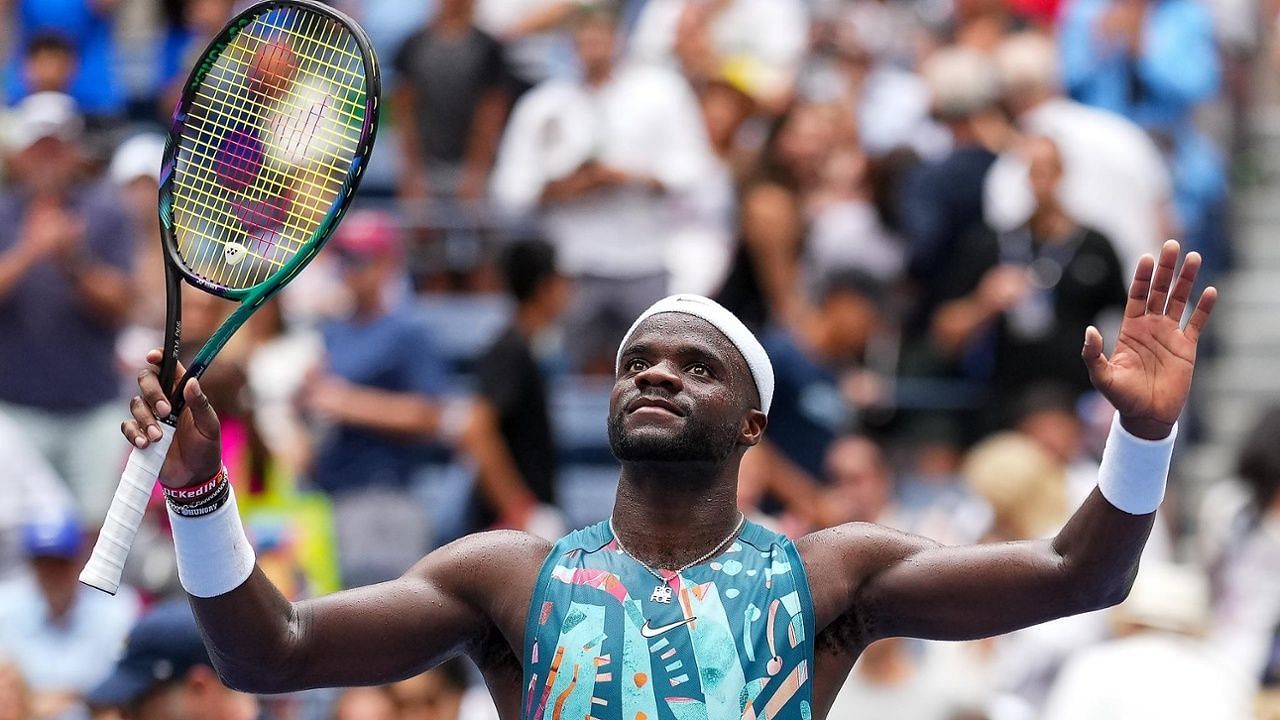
x=651 y=633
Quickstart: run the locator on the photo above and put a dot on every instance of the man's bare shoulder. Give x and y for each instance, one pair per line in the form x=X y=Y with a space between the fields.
x=494 y=572
x=470 y=561
x=839 y=559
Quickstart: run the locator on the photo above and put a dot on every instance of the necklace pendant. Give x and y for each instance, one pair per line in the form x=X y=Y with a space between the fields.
x=661 y=594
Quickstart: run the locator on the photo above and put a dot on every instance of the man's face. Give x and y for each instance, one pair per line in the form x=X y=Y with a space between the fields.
x=48 y=165
x=681 y=395
x=56 y=577
x=1044 y=168
x=596 y=42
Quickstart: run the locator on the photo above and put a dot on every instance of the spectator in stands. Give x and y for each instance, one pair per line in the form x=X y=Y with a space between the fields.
x=812 y=367
x=187 y=27
x=450 y=103
x=15 y=697
x=941 y=202
x=1155 y=62
x=536 y=50
x=764 y=283
x=1026 y=296
x=50 y=64
x=1115 y=179
x=376 y=399
x=761 y=41
x=165 y=674
x=29 y=487
x=822 y=387
x=599 y=161
x=64 y=295
x=364 y=703
x=443 y=693
x=88 y=26
x=509 y=434
x=135 y=172
x=860 y=481
x=897 y=678
x=1157 y=666
x=1246 y=612
x=64 y=636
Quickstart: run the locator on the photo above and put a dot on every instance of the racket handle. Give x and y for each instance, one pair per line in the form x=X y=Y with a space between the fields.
x=106 y=564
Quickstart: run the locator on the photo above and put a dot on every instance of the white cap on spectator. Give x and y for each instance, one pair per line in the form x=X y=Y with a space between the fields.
x=1028 y=62
x=728 y=324
x=42 y=115
x=961 y=81
x=138 y=157
x=1166 y=596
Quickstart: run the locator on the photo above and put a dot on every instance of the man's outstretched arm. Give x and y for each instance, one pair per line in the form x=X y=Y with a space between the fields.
x=892 y=584
x=261 y=642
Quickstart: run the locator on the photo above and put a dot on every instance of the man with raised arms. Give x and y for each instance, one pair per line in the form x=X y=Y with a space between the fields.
x=676 y=607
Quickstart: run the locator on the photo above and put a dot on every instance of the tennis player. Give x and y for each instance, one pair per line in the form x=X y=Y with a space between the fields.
x=676 y=607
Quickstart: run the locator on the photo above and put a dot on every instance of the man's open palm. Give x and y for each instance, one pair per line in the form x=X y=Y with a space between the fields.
x=1148 y=375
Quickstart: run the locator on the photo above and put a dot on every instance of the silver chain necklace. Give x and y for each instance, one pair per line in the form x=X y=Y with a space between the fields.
x=662 y=593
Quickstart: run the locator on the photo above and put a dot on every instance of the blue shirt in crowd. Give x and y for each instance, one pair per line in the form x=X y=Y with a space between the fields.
x=54 y=355
x=393 y=353
x=808 y=410
x=89 y=30
x=1175 y=69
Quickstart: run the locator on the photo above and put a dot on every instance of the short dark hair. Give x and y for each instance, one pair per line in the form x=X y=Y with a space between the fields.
x=49 y=42
x=852 y=281
x=526 y=265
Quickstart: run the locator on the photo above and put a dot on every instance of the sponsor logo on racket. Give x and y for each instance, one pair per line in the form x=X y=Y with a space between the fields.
x=233 y=252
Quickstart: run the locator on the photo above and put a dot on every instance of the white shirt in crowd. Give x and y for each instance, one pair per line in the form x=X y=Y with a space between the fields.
x=533 y=57
x=29 y=486
x=644 y=121
x=1114 y=178
x=1152 y=675
x=767 y=38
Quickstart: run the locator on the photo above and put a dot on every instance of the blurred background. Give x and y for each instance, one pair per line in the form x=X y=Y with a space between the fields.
x=919 y=205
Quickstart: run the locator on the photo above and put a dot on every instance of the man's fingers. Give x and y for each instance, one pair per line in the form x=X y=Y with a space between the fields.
x=1200 y=315
x=1163 y=280
x=1094 y=359
x=1140 y=288
x=149 y=385
x=1181 y=293
x=202 y=412
x=145 y=418
x=154 y=356
x=135 y=436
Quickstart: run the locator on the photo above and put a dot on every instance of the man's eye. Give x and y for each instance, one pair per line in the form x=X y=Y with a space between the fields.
x=699 y=369
x=635 y=365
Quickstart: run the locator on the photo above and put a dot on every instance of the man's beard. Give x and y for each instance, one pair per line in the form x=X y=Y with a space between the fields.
x=698 y=442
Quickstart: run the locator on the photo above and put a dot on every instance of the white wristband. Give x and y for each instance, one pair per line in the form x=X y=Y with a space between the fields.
x=1134 y=471
x=214 y=555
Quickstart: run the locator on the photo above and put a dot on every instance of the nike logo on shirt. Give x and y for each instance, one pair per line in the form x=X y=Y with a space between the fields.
x=651 y=633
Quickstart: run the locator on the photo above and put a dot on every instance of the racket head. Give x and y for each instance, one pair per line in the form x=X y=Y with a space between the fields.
x=268 y=144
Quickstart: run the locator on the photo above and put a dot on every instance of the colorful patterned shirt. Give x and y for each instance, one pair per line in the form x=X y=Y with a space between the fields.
x=729 y=638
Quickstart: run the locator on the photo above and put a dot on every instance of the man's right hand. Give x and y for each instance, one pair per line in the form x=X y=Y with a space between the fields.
x=196 y=453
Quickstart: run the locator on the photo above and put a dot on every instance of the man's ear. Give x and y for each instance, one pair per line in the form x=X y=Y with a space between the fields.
x=753 y=425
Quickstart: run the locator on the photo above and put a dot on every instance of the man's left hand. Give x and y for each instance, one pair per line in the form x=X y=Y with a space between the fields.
x=1148 y=376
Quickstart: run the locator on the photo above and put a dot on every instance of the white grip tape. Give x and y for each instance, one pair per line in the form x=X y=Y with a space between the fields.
x=214 y=555
x=1134 y=471
x=124 y=517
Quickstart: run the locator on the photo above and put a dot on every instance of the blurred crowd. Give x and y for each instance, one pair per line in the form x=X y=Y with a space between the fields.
x=919 y=205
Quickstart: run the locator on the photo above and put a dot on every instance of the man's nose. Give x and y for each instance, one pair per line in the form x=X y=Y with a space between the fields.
x=661 y=374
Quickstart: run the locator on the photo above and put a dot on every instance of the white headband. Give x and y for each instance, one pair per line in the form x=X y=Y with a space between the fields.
x=724 y=321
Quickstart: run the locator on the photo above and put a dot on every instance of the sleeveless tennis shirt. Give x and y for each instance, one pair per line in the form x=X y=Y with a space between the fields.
x=731 y=638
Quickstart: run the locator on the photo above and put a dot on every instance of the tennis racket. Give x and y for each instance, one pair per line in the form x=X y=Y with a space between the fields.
x=269 y=141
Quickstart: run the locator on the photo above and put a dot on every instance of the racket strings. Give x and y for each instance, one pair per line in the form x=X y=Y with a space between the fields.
x=315 y=200
x=269 y=143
